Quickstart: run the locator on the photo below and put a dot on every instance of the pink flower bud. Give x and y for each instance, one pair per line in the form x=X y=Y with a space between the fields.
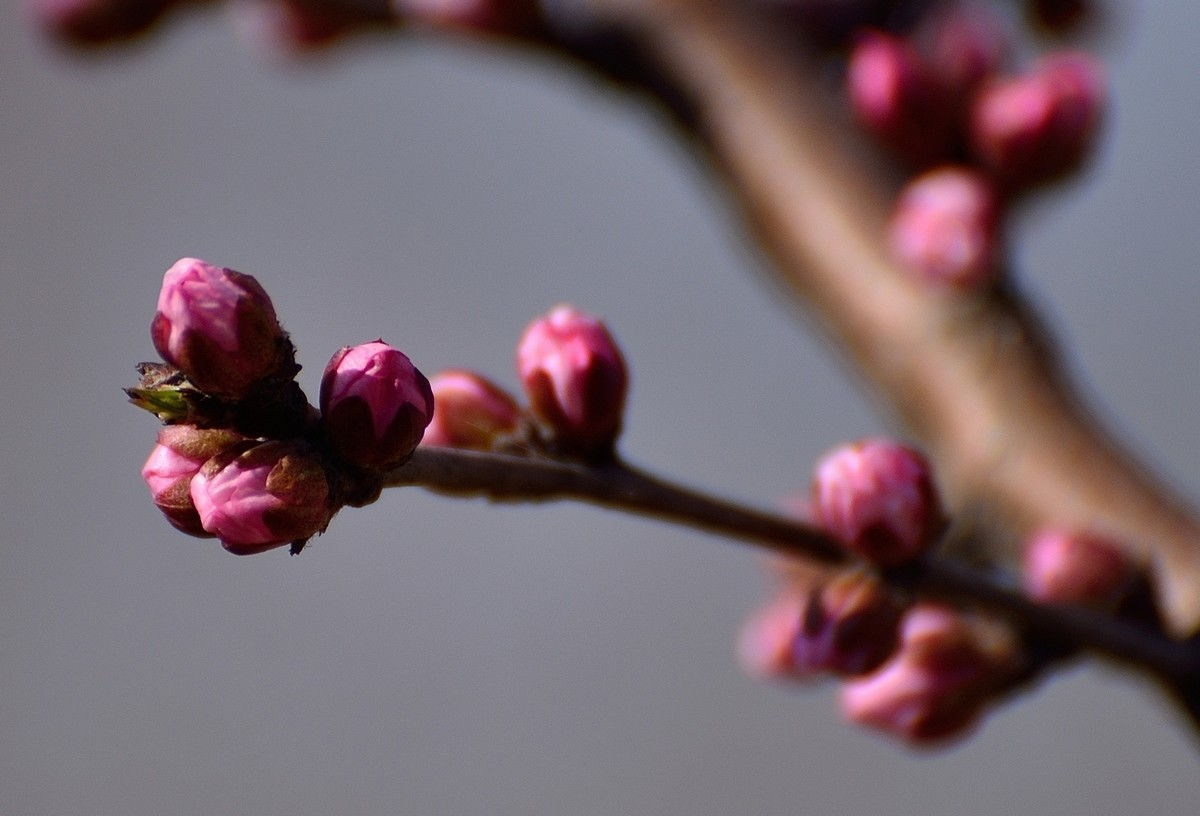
x=946 y=672
x=218 y=327
x=575 y=377
x=964 y=44
x=848 y=626
x=1038 y=127
x=270 y=495
x=765 y=643
x=469 y=411
x=375 y=405
x=92 y=22
x=1074 y=568
x=877 y=498
x=944 y=228
x=895 y=97
x=180 y=453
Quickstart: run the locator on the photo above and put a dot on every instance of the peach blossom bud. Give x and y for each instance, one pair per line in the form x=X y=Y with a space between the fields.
x=895 y=97
x=848 y=626
x=273 y=494
x=1038 y=127
x=877 y=498
x=946 y=672
x=575 y=377
x=180 y=453
x=375 y=405
x=765 y=642
x=92 y=22
x=218 y=327
x=964 y=44
x=1076 y=568
x=944 y=228
x=469 y=411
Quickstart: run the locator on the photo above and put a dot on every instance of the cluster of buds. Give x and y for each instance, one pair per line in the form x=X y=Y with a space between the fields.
x=938 y=98
x=575 y=380
x=243 y=456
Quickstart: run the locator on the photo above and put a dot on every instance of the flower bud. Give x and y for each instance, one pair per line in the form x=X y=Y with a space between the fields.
x=92 y=22
x=218 y=327
x=944 y=228
x=469 y=411
x=270 y=495
x=180 y=453
x=575 y=377
x=895 y=97
x=848 y=626
x=1076 y=568
x=963 y=44
x=375 y=405
x=877 y=498
x=946 y=672
x=1038 y=127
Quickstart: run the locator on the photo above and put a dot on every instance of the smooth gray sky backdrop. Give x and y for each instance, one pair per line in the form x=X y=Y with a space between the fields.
x=433 y=656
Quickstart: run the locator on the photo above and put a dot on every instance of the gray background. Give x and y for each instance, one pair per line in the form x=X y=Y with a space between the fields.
x=433 y=656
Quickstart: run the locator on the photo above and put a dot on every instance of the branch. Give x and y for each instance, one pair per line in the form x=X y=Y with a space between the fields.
x=974 y=377
x=502 y=477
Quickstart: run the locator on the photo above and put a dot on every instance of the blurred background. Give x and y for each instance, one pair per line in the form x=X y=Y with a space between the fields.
x=439 y=656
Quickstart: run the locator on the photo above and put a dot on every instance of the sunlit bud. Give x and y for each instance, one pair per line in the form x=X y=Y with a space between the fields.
x=91 y=22
x=496 y=16
x=218 y=327
x=273 y=494
x=375 y=405
x=947 y=670
x=575 y=378
x=847 y=626
x=180 y=453
x=469 y=411
x=895 y=97
x=944 y=228
x=1038 y=127
x=877 y=498
x=766 y=640
x=964 y=43
x=1077 y=568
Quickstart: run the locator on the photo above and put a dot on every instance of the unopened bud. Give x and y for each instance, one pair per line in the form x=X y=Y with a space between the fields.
x=944 y=228
x=575 y=377
x=469 y=411
x=947 y=670
x=273 y=494
x=1039 y=127
x=877 y=498
x=963 y=44
x=218 y=327
x=92 y=22
x=895 y=97
x=180 y=453
x=375 y=405
x=848 y=626
x=766 y=640
x=1075 y=568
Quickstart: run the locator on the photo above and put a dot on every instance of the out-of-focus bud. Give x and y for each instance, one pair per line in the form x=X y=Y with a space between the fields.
x=766 y=640
x=895 y=97
x=877 y=498
x=273 y=494
x=494 y=16
x=469 y=411
x=848 y=626
x=93 y=22
x=575 y=377
x=1039 y=127
x=218 y=327
x=963 y=44
x=944 y=228
x=375 y=405
x=1061 y=566
x=180 y=453
x=946 y=672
